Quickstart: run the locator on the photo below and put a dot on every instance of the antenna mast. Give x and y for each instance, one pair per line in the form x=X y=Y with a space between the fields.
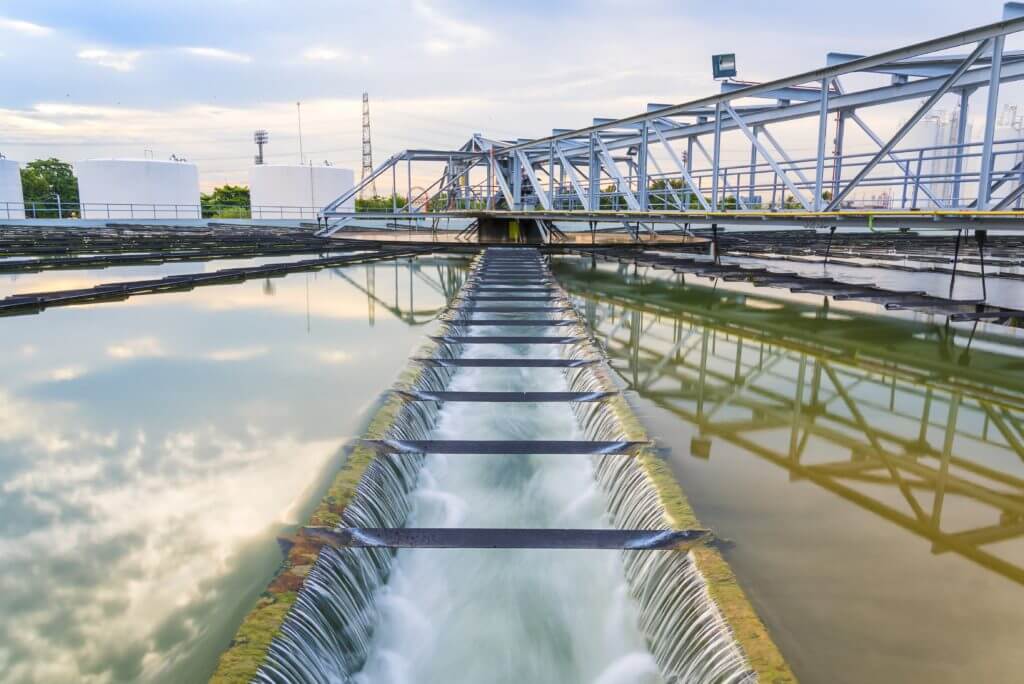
x=367 y=148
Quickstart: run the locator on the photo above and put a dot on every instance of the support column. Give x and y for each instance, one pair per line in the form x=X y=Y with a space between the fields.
x=641 y=176
x=837 y=167
x=985 y=182
x=751 y=178
x=819 y=176
x=594 y=172
x=716 y=157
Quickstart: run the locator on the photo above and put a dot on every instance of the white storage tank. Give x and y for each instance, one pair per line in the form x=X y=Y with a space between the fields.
x=12 y=202
x=293 y=191
x=137 y=188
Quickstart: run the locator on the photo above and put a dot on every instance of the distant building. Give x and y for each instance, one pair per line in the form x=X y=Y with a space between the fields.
x=12 y=201
x=293 y=191
x=138 y=189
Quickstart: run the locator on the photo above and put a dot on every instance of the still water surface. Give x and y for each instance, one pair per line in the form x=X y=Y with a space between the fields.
x=865 y=470
x=151 y=451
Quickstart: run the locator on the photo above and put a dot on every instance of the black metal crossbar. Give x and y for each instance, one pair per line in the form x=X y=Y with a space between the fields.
x=497 y=538
x=502 y=446
x=506 y=397
x=504 y=339
x=506 y=363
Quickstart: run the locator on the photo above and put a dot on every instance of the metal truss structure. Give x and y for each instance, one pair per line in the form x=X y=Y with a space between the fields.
x=666 y=165
x=917 y=423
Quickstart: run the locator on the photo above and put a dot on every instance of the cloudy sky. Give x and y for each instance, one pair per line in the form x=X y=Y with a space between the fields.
x=119 y=78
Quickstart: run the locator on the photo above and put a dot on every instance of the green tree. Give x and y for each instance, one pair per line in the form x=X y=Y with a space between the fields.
x=227 y=201
x=378 y=203
x=42 y=181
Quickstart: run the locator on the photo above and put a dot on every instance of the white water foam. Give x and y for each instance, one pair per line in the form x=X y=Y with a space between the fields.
x=507 y=615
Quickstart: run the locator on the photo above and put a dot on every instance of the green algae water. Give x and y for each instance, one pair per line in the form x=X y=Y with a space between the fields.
x=152 y=450
x=865 y=470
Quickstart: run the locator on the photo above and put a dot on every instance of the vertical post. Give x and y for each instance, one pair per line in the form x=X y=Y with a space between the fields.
x=517 y=183
x=408 y=178
x=819 y=177
x=917 y=179
x=490 y=180
x=561 y=182
x=394 y=189
x=716 y=156
x=837 y=153
x=961 y=140
x=689 y=170
x=595 y=177
x=985 y=182
x=551 y=174
x=641 y=176
x=752 y=176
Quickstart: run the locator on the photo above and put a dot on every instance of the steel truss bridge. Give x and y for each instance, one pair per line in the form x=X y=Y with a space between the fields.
x=918 y=423
x=664 y=169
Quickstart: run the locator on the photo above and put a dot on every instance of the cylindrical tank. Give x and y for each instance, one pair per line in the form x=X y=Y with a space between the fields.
x=12 y=202
x=292 y=191
x=137 y=188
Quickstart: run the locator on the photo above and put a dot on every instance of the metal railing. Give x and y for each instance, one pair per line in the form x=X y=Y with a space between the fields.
x=136 y=210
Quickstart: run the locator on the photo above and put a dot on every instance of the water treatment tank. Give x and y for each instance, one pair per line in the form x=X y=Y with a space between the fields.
x=137 y=188
x=292 y=191
x=11 y=200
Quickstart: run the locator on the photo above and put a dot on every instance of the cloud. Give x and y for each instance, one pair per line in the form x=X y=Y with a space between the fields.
x=135 y=348
x=452 y=33
x=324 y=54
x=111 y=59
x=437 y=47
x=217 y=53
x=25 y=27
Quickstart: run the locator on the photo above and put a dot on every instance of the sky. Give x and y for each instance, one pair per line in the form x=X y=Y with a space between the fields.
x=109 y=78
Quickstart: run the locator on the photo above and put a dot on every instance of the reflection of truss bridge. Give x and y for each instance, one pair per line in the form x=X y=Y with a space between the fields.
x=443 y=276
x=897 y=417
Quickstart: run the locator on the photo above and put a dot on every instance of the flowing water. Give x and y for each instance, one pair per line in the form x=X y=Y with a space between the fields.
x=507 y=616
x=370 y=616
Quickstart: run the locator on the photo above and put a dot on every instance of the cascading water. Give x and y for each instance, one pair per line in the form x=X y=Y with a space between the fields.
x=507 y=616
x=368 y=616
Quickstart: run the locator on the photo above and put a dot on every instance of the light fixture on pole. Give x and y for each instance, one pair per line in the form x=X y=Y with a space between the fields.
x=723 y=66
x=261 y=138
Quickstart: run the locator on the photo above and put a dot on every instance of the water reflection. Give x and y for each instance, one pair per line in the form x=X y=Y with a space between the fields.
x=436 y=275
x=151 y=450
x=862 y=406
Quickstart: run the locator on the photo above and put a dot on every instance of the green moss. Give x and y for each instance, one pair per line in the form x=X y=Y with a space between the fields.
x=239 y=663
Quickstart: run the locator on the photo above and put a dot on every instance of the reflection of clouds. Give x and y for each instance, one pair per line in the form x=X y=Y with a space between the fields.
x=236 y=354
x=118 y=584
x=135 y=348
x=334 y=356
x=139 y=498
x=66 y=373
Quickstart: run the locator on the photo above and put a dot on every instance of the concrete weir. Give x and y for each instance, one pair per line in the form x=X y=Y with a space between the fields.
x=319 y=619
